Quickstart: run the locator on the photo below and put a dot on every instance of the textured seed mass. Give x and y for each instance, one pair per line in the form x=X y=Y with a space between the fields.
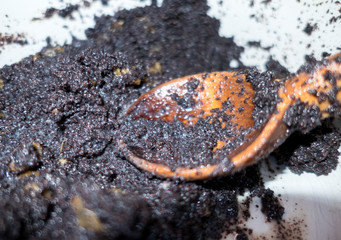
x=62 y=174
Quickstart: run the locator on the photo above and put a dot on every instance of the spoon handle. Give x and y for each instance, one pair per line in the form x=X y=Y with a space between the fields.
x=306 y=99
x=319 y=87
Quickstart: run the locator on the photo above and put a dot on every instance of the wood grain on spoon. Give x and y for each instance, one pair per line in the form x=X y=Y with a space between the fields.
x=208 y=90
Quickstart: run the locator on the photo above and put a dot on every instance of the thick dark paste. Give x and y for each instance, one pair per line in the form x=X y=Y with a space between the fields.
x=62 y=174
x=313 y=152
x=177 y=145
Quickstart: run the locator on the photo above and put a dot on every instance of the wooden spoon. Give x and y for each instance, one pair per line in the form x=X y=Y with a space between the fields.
x=319 y=88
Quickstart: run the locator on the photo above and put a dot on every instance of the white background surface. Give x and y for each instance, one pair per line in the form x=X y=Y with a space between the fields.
x=314 y=200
